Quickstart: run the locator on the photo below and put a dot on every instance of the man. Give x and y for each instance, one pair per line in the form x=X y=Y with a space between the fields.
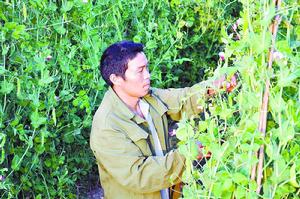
x=135 y=155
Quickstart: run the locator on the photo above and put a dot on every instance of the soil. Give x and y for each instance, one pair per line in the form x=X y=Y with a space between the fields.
x=90 y=188
x=96 y=193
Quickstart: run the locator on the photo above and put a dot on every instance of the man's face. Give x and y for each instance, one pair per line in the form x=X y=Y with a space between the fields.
x=137 y=77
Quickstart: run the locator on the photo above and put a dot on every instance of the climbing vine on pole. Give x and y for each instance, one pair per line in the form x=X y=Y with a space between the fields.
x=262 y=113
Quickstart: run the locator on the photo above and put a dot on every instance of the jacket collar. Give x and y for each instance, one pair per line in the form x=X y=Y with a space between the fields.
x=126 y=113
x=121 y=108
x=117 y=103
x=156 y=103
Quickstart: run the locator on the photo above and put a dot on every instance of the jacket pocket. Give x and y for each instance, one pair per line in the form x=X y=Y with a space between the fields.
x=141 y=140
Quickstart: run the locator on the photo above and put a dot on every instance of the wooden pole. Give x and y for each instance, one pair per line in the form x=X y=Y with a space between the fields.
x=264 y=107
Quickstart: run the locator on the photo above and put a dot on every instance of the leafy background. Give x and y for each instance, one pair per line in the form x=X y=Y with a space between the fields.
x=50 y=86
x=229 y=127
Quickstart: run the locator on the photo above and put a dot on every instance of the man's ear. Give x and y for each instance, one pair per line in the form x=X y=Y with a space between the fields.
x=116 y=80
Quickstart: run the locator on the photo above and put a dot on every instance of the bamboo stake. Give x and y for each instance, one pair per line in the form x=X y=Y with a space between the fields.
x=264 y=107
x=253 y=170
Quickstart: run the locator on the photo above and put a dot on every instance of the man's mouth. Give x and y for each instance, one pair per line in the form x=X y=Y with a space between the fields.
x=147 y=84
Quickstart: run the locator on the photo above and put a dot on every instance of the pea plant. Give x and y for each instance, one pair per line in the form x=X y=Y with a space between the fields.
x=254 y=140
x=50 y=83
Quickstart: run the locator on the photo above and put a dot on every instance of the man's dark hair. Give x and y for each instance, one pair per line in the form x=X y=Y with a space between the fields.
x=116 y=57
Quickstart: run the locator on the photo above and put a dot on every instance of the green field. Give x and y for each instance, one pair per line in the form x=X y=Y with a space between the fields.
x=50 y=87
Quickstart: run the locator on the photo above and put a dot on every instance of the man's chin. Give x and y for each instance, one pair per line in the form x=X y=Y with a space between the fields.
x=147 y=91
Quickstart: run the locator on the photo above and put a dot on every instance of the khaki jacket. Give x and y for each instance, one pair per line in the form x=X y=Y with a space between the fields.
x=122 y=143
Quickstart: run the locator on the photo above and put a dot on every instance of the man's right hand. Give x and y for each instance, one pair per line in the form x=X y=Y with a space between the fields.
x=200 y=155
x=221 y=82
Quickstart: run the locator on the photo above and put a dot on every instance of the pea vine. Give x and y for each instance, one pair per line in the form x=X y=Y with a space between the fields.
x=262 y=47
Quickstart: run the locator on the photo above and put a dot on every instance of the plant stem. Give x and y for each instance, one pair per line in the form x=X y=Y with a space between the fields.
x=253 y=170
x=21 y=159
x=264 y=107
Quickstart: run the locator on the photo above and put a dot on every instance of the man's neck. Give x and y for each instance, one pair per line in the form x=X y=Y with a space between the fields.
x=131 y=102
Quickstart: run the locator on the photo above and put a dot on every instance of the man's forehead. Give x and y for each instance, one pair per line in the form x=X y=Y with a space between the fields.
x=139 y=61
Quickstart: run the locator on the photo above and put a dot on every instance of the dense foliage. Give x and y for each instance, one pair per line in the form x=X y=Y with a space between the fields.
x=229 y=125
x=50 y=84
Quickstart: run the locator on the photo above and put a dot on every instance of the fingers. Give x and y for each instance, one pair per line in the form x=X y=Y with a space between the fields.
x=218 y=83
x=232 y=84
x=200 y=153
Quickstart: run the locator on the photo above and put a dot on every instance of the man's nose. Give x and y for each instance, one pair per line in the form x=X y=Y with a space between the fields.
x=147 y=74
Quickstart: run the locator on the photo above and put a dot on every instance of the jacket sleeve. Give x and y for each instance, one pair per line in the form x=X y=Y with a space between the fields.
x=183 y=100
x=126 y=164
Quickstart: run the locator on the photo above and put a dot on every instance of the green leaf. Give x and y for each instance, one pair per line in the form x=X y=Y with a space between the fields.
x=6 y=87
x=69 y=138
x=253 y=185
x=137 y=38
x=245 y=147
x=39 y=62
x=10 y=25
x=151 y=44
x=271 y=150
x=283 y=47
x=46 y=78
x=184 y=132
x=286 y=77
x=181 y=60
x=2 y=156
x=284 y=190
x=39 y=196
x=190 y=149
x=193 y=149
x=67 y=6
x=248 y=100
x=225 y=113
x=37 y=120
x=259 y=43
x=2 y=139
x=66 y=95
x=60 y=29
x=18 y=31
x=183 y=149
x=202 y=126
x=268 y=16
x=284 y=174
x=217 y=189
x=40 y=149
x=240 y=192
x=246 y=65
x=48 y=162
x=277 y=104
x=228 y=71
x=2 y=70
x=286 y=132
x=239 y=178
x=227 y=185
x=2 y=16
x=293 y=179
x=5 y=49
x=15 y=164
